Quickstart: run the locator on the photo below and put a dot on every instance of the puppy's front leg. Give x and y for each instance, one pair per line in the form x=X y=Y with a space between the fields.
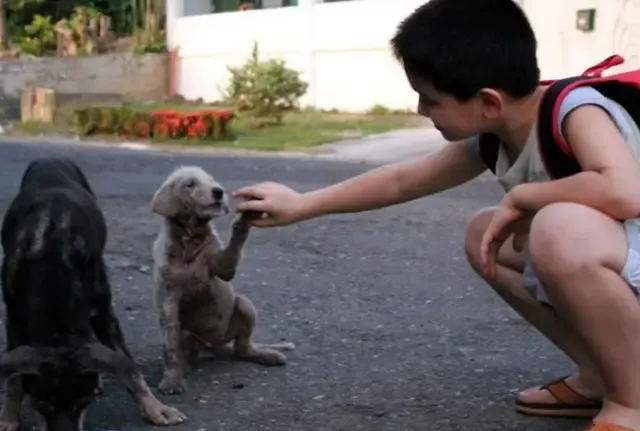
x=173 y=381
x=226 y=260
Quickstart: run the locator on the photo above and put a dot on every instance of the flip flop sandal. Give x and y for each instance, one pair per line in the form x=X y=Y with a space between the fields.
x=570 y=404
x=607 y=427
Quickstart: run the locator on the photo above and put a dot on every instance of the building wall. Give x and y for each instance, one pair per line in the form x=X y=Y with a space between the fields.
x=343 y=52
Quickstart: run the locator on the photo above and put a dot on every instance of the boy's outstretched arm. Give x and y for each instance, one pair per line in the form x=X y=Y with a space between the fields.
x=381 y=187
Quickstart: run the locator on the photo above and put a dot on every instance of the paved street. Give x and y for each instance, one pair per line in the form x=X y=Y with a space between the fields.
x=393 y=331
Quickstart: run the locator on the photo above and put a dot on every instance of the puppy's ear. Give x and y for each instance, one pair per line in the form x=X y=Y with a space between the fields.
x=164 y=202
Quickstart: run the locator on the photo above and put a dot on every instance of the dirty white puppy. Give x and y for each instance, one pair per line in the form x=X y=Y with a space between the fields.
x=198 y=308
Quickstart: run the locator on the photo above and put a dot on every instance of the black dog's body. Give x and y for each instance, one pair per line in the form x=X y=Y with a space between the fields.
x=62 y=331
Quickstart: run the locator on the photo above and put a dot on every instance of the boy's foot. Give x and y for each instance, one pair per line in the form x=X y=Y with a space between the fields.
x=558 y=398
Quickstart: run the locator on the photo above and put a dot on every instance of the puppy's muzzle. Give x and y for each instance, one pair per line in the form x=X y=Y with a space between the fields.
x=217 y=193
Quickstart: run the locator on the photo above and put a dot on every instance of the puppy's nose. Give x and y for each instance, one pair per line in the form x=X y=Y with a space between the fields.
x=218 y=193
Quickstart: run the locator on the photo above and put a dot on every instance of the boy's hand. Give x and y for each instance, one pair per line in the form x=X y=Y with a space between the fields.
x=279 y=204
x=502 y=225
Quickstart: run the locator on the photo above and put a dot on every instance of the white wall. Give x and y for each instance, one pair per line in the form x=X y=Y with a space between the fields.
x=342 y=48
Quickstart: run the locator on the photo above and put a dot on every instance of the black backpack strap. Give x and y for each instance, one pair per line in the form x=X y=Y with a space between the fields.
x=554 y=151
x=555 y=154
x=488 y=147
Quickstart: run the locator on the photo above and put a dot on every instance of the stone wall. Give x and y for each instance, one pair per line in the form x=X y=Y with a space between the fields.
x=100 y=78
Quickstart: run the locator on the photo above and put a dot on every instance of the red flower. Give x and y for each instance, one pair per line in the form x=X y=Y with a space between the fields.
x=196 y=124
x=199 y=129
x=161 y=130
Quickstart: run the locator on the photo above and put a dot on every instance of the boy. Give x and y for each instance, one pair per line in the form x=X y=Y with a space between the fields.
x=473 y=65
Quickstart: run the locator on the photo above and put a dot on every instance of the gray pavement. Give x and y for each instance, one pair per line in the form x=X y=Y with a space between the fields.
x=393 y=330
x=385 y=147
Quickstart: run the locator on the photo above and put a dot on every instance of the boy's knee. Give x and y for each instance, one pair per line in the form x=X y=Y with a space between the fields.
x=475 y=230
x=556 y=236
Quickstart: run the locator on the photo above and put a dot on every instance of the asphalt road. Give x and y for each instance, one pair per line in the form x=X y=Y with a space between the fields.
x=393 y=330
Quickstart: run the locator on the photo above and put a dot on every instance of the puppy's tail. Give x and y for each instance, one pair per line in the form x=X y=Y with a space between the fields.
x=285 y=346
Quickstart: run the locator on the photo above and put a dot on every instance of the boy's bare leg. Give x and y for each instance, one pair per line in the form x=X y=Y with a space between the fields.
x=579 y=254
x=510 y=287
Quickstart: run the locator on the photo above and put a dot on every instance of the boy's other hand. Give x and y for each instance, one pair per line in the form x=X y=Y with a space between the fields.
x=502 y=225
x=279 y=204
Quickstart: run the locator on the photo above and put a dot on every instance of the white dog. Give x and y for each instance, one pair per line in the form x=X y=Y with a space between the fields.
x=198 y=308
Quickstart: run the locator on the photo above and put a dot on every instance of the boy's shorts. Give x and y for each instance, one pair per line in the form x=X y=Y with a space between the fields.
x=630 y=272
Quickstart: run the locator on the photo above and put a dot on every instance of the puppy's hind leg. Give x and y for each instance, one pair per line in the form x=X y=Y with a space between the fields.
x=243 y=323
x=13 y=396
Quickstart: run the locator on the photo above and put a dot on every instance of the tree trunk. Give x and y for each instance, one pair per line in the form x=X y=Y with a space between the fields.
x=148 y=14
x=4 y=33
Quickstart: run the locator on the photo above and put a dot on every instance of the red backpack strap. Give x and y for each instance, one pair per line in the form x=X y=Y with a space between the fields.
x=556 y=155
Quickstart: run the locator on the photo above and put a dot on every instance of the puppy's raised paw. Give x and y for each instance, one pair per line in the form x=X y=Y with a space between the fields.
x=252 y=215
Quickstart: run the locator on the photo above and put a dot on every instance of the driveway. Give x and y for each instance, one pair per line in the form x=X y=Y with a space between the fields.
x=393 y=330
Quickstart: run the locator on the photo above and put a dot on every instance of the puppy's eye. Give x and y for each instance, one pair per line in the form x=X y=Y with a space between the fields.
x=190 y=184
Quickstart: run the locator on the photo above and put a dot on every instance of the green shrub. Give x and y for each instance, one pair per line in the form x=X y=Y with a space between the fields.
x=264 y=90
x=39 y=37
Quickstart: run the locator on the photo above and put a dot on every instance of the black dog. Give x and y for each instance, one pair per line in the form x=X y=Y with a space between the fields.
x=62 y=331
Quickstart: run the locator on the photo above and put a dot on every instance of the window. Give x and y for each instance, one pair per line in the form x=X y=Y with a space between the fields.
x=234 y=5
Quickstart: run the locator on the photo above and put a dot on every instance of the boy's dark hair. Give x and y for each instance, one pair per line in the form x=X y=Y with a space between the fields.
x=462 y=46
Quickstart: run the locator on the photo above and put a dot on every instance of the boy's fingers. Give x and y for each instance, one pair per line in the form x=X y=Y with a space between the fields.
x=262 y=222
x=487 y=253
x=253 y=205
x=254 y=192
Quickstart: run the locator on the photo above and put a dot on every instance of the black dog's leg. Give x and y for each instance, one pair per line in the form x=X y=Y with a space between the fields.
x=107 y=330
x=13 y=397
x=13 y=386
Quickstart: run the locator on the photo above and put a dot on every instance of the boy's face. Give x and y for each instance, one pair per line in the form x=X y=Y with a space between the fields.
x=456 y=120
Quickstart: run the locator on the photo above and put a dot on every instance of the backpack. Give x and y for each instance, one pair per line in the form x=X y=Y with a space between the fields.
x=624 y=88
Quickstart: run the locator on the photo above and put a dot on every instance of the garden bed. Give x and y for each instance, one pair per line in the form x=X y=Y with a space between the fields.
x=161 y=124
x=193 y=124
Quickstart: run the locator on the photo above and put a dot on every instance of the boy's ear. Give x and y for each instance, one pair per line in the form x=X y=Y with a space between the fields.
x=492 y=102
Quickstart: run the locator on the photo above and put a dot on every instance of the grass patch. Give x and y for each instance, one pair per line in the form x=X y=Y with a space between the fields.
x=298 y=131
x=304 y=130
